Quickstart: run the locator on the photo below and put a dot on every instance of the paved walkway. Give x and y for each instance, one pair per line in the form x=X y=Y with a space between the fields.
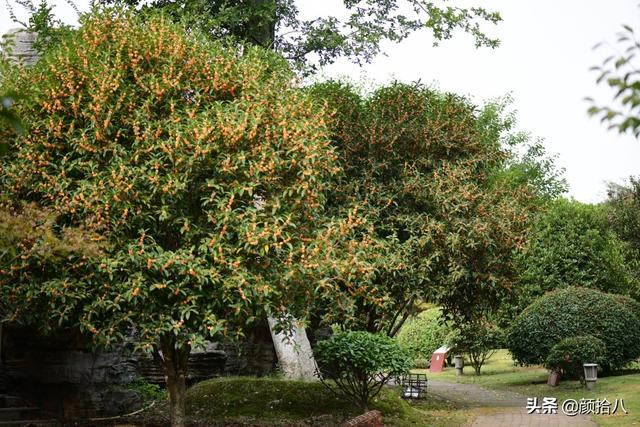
x=501 y=408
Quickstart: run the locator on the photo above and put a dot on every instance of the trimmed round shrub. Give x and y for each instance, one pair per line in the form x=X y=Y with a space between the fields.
x=630 y=303
x=358 y=363
x=569 y=354
x=573 y=312
x=423 y=334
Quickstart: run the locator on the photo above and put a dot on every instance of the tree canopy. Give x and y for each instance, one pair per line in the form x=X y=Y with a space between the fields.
x=421 y=164
x=528 y=163
x=623 y=203
x=319 y=40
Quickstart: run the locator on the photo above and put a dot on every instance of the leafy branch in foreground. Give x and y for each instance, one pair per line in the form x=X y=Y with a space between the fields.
x=621 y=73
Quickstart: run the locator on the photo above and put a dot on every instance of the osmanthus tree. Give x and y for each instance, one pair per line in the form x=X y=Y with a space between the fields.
x=422 y=166
x=309 y=41
x=200 y=170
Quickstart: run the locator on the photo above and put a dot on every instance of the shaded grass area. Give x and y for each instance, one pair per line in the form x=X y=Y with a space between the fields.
x=248 y=401
x=501 y=373
x=263 y=398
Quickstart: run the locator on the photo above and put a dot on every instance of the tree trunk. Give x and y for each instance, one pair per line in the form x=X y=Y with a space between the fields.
x=406 y=310
x=175 y=369
x=295 y=356
x=364 y=396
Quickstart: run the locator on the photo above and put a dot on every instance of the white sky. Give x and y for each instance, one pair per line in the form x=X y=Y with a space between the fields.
x=543 y=62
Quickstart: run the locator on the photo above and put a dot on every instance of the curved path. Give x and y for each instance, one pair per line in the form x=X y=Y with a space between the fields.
x=501 y=408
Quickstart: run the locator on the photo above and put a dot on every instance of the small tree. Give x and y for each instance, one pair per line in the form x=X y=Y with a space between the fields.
x=357 y=364
x=478 y=340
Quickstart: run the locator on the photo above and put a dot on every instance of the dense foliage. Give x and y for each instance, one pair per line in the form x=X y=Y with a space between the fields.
x=572 y=312
x=424 y=333
x=623 y=202
x=201 y=168
x=260 y=23
x=572 y=244
x=478 y=340
x=571 y=353
x=357 y=364
x=31 y=244
x=420 y=164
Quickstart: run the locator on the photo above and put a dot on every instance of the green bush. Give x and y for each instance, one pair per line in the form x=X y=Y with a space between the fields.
x=569 y=354
x=572 y=244
x=423 y=334
x=357 y=364
x=573 y=312
x=630 y=303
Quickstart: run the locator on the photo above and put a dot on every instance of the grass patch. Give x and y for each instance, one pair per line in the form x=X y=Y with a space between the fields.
x=263 y=398
x=501 y=373
x=249 y=401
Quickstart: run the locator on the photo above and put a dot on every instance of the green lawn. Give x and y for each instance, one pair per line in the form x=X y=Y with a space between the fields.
x=501 y=373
